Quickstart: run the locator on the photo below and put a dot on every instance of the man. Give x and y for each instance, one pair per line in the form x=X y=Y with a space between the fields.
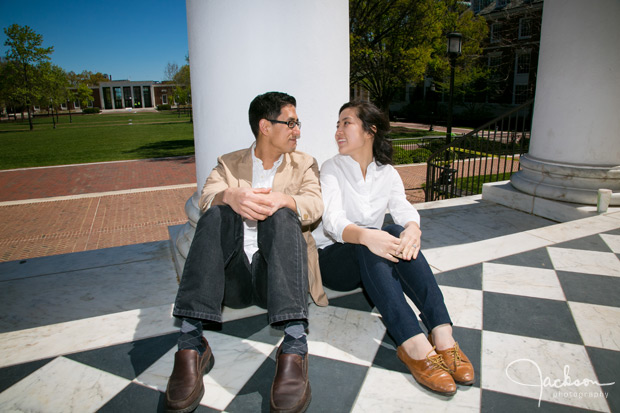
x=253 y=246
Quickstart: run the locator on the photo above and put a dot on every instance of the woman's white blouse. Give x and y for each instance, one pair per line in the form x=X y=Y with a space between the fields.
x=349 y=199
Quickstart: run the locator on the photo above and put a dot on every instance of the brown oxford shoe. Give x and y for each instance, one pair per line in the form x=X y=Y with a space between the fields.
x=185 y=387
x=461 y=369
x=290 y=391
x=431 y=372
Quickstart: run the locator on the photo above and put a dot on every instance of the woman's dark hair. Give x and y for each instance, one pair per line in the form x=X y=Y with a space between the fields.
x=268 y=106
x=370 y=115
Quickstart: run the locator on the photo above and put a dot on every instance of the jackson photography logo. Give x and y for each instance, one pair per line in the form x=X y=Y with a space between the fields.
x=559 y=384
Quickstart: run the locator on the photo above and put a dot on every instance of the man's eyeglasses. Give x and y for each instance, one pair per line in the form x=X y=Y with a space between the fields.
x=290 y=123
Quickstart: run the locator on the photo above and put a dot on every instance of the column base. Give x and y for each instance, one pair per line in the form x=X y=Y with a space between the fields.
x=564 y=182
x=183 y=240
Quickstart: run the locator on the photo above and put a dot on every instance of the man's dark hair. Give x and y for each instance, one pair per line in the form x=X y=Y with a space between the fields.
x=268 y=106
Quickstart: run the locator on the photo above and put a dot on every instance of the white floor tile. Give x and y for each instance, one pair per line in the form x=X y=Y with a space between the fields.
x=537 y=369
x=598 y=325
x=389 y=391
x=62 y=385
x=457 y=256
x=464 y=306
x=85 y=334
x=525 y=281
x=236 y=360
x=348 y=335
x=613 y=241
x=580 y=228
x=588 y=262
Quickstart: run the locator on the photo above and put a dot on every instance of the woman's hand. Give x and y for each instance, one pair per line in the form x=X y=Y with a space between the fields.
x=380 y=243
x=410 y=239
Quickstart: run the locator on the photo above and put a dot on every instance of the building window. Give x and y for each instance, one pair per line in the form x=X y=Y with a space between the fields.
x=107 y=100
x=522 y=94
x=164 y=99
x=146 y=94
x=118 y=97
x=63 y=106
x=76 y=104
x=525 y=28
x=496 y=32
x=523 y=63
x=137 y=97
x=90 y=104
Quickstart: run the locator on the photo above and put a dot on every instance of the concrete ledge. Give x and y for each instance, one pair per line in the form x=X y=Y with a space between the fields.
x=503 y=193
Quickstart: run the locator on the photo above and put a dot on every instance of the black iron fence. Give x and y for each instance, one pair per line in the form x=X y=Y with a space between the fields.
x=489 y=153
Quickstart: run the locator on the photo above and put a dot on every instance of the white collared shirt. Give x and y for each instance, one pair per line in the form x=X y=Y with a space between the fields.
x=351 y=199
x=261 y=178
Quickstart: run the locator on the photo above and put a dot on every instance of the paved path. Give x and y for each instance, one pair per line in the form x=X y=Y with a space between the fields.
x=62 y=209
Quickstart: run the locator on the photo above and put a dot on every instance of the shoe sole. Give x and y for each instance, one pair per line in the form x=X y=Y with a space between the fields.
x=195 y=404
x=465 y=383
x=436 y=391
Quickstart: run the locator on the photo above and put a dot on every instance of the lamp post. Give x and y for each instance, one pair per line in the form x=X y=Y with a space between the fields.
x=454 y=50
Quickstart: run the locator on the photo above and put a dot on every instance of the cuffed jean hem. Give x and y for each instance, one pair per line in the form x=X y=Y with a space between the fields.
x=197 y=315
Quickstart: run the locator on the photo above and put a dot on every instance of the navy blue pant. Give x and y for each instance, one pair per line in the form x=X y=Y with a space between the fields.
x=345 y=267
x=217 y=271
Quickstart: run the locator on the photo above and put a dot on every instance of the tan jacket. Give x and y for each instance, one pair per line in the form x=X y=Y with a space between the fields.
x=297 y=176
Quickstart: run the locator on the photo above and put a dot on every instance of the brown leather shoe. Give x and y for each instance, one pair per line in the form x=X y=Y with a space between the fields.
x=431 y=372
x=290 y=391
x=461 y=369
x=185 y=387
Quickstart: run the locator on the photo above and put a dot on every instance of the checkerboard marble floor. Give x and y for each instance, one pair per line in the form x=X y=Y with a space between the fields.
x=534 y=303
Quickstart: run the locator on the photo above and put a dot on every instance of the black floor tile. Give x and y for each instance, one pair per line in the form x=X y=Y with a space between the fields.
x=505 y=403
x=530 y=317
x=128 y=360
x=591 y=289
x=538 y=258
x=358 y=301
x=466 y=277
x=11 y=375
x=591 y=243
x=135 y=398
x=247 y=327
x=335 y=384
x=606 y=364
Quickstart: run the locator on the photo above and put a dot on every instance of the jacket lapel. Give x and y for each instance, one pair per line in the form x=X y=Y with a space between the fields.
x=245 y=169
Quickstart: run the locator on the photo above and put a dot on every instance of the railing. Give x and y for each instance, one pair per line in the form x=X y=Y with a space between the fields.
x=489 y=153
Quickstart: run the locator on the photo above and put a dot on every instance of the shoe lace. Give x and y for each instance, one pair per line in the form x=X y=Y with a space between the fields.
x=456 y=353
x=437 y=361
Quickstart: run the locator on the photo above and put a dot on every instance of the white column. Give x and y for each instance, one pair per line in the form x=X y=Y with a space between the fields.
x=239 y=49
x=575 y=145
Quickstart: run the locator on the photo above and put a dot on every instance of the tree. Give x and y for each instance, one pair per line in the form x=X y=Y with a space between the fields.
x=84 y=94
x=170 y=71
x=25 y=53
x=391 y=43
x=52 y=87
x=87 y=77
x=471 y=73
x=395 y=42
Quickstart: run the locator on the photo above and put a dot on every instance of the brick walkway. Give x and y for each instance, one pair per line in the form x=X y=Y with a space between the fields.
x=57 y=210
x=65 y=180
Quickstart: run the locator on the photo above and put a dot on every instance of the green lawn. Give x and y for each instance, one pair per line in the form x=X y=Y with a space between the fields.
x=95 y=138
x=406 y=133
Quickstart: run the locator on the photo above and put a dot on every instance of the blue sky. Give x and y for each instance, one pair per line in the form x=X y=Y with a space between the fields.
x=131 y=39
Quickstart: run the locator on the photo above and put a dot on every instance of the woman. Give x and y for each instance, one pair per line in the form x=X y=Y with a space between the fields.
x=359 y=185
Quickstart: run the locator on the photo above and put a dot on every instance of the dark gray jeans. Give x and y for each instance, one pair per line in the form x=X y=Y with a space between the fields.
x=217 y=271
